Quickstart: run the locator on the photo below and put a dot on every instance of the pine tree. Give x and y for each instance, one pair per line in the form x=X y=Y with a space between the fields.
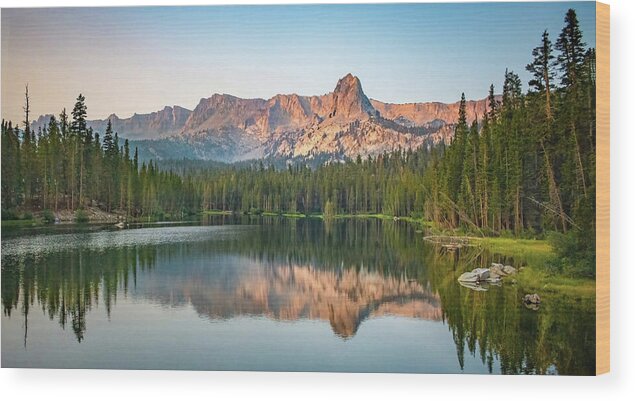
x=108 y=142
x=79 y=130
x=541 y=70
x=572 y=49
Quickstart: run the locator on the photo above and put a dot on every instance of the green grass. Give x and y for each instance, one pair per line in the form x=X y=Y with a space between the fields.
x=541 y=281
x=21 y=223
x=536 y=275
x=526 y=249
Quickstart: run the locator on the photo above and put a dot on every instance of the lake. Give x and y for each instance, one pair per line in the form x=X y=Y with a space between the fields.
x=276 y=294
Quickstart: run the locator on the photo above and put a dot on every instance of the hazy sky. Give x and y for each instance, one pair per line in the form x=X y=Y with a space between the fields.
x=140 y=59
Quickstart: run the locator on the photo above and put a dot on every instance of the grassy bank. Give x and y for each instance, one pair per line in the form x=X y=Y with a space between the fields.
x=536 y=275
x=21 y=223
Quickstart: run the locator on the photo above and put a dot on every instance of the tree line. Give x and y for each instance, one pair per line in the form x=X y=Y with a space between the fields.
x=66 y=165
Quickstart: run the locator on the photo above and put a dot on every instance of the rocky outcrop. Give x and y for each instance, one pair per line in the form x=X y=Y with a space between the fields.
x=349 y=101
x=418 y=114
x=479 y=278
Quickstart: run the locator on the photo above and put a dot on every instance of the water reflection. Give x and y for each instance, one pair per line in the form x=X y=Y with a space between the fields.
x=287 y=270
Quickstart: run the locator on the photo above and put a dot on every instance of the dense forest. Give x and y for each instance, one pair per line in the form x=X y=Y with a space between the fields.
x=525 y=168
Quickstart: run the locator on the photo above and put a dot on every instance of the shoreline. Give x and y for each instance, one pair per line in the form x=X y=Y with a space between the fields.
x=535 y=252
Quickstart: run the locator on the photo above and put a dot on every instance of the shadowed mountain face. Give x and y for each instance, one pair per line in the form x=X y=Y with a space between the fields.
x=341 y=124
x=160 y=124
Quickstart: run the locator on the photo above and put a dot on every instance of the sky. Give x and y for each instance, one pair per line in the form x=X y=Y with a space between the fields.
x=140 y=59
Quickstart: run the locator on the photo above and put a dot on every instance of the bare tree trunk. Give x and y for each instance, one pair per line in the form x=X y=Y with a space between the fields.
x=578 y=156
x=554 y=194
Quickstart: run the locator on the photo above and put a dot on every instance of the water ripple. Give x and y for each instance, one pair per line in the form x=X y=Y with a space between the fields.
x=49 y=243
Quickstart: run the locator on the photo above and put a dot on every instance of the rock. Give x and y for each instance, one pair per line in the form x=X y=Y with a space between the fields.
x=483 y=274
x=531 y=299
x=497 y=269
x=468 y=277
x=509 y=270
x=501 y=270
x=475 y=275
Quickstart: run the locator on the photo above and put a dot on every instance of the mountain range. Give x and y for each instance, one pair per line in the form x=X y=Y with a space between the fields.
x=335 y=126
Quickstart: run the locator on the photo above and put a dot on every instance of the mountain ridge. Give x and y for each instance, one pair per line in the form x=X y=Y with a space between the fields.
x=342 y=124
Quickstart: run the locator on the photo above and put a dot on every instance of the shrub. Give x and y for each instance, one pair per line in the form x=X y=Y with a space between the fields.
x=9 y=214
x=27 y=216
x=575 y=253
x=81 y=216
x=255 y=211
x=48 y=216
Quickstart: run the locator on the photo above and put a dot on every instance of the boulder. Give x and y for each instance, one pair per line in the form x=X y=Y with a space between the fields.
x=483 y=274
x=468 y=277
x=475 y=276
x=497 y=269
x=509 y=270
x=531 y=299
x=501 y=270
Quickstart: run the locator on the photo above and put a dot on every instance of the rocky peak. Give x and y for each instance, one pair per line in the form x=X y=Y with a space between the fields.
x=349 y=100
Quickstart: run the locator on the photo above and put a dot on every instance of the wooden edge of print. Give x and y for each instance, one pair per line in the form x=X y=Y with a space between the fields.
x=602 y=244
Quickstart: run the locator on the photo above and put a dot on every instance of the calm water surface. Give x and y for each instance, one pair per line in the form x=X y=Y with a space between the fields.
x=273 y=294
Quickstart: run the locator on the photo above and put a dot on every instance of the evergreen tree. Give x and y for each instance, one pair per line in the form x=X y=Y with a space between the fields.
x=572 y=49
x=541 y=70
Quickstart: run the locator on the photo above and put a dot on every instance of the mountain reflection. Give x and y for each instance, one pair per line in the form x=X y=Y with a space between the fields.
x=344 y=297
